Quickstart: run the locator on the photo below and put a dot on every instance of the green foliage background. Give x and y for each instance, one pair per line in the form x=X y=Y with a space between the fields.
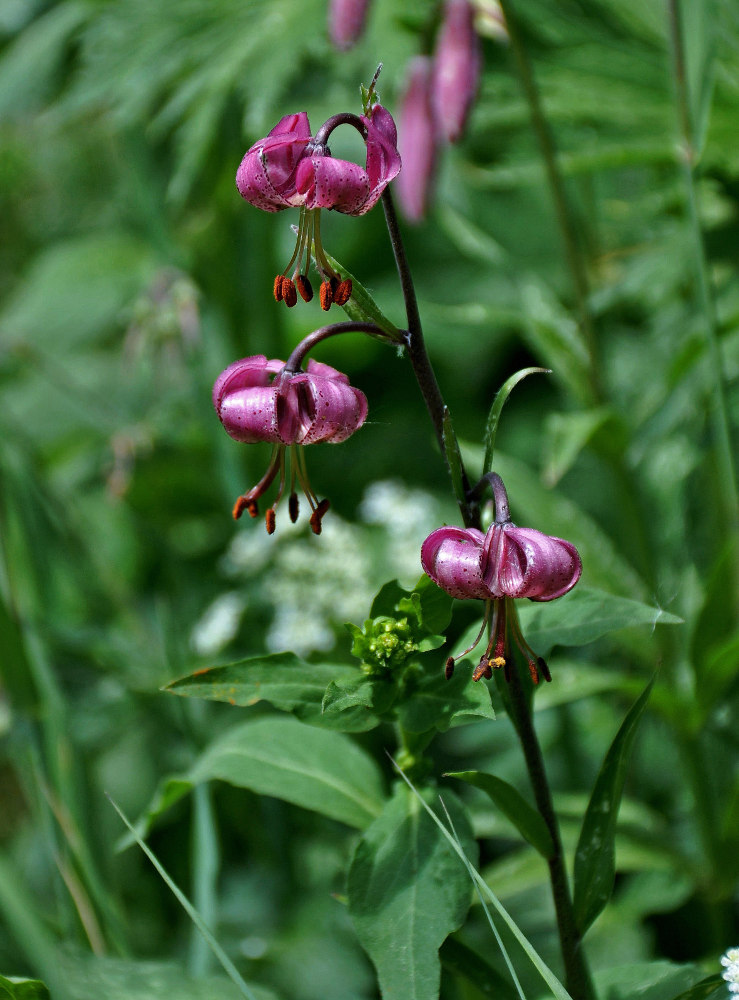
x=131 y=274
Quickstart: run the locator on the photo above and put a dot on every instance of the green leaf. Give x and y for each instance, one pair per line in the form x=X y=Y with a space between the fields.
x=465 y=962
x=312 y=768
x=281 y=679
x=433 y=702
x=374 y=694
x=566 y=434
x=582 y=616
x=362 y=308
x=711 y=988
x=23 y=989
x=407 y=892
x=595 y=857
x=658 y=980
x=512 y=804
x=501 y=397
x=279 y=756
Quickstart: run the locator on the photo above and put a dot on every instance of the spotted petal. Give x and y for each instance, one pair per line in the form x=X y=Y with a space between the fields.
x=523 y=562
x=451 y=557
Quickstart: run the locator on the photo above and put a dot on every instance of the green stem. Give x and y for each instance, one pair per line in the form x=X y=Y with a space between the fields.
x=563 y=211
x=716 y=382
x=577 y=973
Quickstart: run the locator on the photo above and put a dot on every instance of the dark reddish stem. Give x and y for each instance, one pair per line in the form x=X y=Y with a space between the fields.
x=295 y=361
x=345 y=118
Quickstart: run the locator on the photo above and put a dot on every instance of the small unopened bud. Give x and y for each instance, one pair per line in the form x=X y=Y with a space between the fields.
x=449 y=668
x=304 y=287
x=293 y=507
x=343 y=292
x=326 y=295
x=269 y=520
x=288 y=292
x=346 y=19
x=543 y=668
x=278 y=288
x=317 y=515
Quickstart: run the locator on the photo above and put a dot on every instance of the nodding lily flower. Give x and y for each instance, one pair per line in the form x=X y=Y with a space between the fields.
x=289 y=168
x=506 y=563
x=261 y=400
x=456 y=68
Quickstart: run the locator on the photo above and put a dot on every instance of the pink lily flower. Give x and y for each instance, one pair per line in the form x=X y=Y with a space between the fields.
x=260 y=400
x=457 y=66
x=505 y=564
x=291 y=169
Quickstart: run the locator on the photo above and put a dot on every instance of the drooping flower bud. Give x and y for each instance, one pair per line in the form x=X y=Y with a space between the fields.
x=417 y=140
x=346 y=20
x=457 y=64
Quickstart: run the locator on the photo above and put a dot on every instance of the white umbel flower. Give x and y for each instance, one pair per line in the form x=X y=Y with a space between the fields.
x=730 y=962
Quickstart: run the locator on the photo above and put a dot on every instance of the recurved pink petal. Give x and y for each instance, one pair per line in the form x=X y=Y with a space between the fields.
x=523 y=562
x=265 y=177
x=451 y=557
x=327 y=182
x=340 y=410
x=326 y=371
x=253 y=371
x=250 y=414
x=383 y=159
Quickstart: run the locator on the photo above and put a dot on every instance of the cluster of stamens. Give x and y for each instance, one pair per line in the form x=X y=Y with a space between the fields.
x=248 y=501
x=333 y=290
x=497 y=656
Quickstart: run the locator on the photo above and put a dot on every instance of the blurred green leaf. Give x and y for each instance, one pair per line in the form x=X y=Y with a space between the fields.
x=584 y=615
x=22 y=989
x=566 y=434
x=407 y=892
x=509 y=800
x=648 y=980
x=595 y=857
x=711 y=988
x=312 y=768
x=124 y=979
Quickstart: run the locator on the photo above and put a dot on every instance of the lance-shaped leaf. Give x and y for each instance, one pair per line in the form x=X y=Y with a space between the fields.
x=407 y=893
x=595 y=857
x=281 y=679
x=514 y=806
x=279 y=756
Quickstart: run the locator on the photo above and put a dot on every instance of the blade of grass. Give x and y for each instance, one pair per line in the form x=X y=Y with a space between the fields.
x=228 y=967
x=493 y=928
